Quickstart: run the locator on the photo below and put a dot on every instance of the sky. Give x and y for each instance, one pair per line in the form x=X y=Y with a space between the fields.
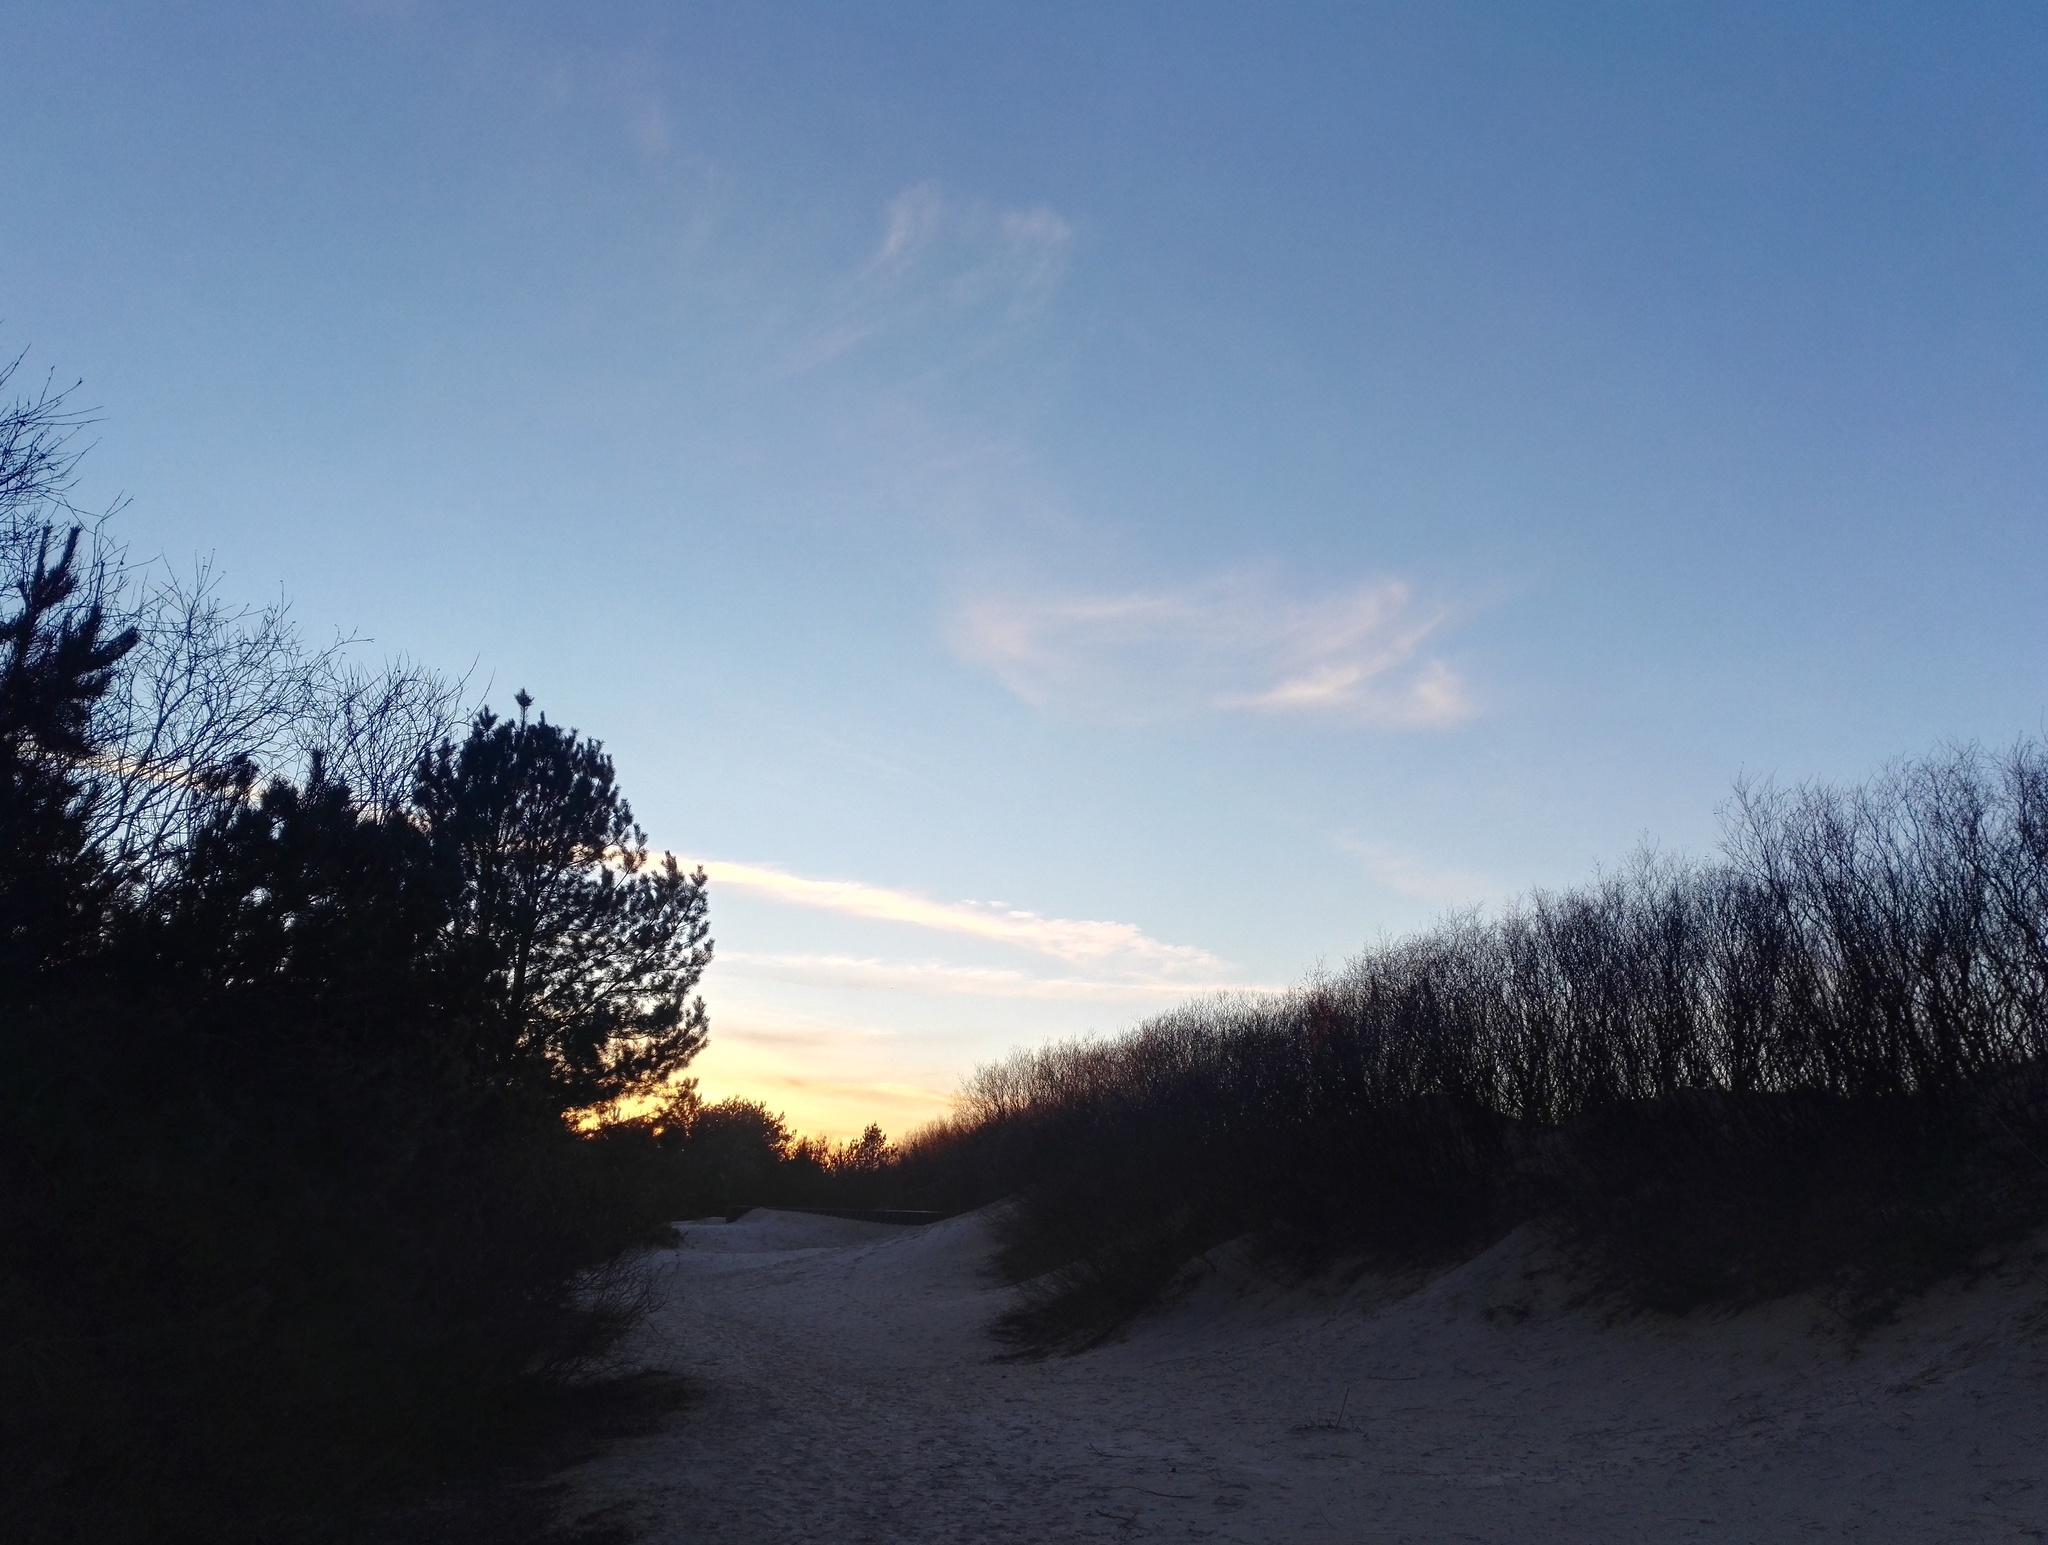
x=1066 y=508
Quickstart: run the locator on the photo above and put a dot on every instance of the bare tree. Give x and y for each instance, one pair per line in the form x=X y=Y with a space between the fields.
x=371 y=728
x=215 y=695
x=37 y=457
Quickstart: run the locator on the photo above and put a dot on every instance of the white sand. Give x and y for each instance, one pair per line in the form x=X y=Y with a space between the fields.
x=848 y=1394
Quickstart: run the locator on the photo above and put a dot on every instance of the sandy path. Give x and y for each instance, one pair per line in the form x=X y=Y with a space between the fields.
x=849 y=1395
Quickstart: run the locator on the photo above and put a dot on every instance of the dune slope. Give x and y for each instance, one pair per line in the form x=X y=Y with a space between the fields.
x=849 y=1392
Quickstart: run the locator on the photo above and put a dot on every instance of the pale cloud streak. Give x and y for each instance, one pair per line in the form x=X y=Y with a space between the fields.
x=960 y=265
x=969 y=249
x=1122 y=947
x=941 y=978
x=1418 y=879
x=1235 y=644
x=840 y=1038
x=916 y=216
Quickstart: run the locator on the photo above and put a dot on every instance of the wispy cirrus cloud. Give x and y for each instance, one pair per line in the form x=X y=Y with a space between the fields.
x=969 y=248
x=949 y=980
x=1419 y=878
x=1233 y=644
x=839 y=1037
x=1103 y=945
x=942 y=261
x=916 y=216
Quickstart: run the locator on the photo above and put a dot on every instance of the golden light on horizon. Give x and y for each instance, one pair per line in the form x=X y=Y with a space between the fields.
x=818 y=1095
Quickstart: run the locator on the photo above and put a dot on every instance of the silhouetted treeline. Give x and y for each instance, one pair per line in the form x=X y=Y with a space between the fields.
x=301 y=981
x=1816 y=1060
x=704 y=1159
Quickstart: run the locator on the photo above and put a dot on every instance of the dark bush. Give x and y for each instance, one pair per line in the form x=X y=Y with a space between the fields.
x=298 y=1209
x=1814 y=1062
x=707 y=1159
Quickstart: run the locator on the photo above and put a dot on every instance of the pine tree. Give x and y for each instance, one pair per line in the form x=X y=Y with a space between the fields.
x=57 y=660
x=572 y=952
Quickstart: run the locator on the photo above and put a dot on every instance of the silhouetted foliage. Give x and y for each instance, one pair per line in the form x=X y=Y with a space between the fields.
x=706 y=1159
x=1817 y=1060
x=571 y=952
x=295 y=993
x=57 y=661
x=734 y=1151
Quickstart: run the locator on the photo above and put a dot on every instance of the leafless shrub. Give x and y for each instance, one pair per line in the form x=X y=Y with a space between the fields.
x=1753 y=1066
x=215 y=694
x=38 y=458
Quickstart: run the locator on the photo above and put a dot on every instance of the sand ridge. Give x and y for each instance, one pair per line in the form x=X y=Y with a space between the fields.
x=850 y=1392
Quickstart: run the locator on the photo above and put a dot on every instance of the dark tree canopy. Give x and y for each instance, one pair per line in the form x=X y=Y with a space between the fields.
x=57 y=661
x=297 y=984
x=573 y=952
x=294 y=903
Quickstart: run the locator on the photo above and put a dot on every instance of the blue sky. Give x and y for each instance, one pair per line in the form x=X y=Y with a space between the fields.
x=1067 y=506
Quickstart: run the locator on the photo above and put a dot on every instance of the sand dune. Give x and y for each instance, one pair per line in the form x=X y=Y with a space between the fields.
x=849 y=1394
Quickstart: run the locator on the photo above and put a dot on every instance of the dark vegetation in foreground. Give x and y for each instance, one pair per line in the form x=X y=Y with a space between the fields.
x=302 y=984
x=1816 y=1063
